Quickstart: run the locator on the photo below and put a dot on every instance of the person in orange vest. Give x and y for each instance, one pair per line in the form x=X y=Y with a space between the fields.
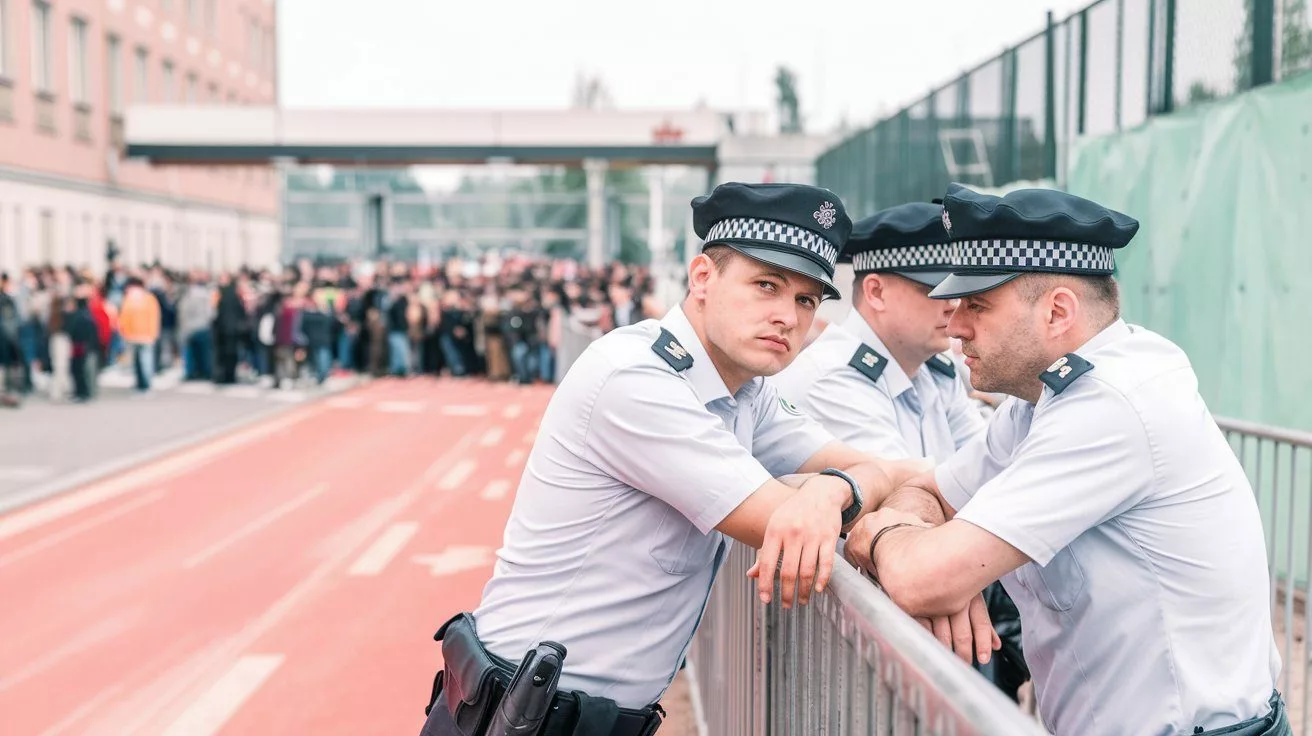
x=138 y=324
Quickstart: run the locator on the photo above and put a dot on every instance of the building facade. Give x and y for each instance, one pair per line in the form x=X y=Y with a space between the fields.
x=68 y=70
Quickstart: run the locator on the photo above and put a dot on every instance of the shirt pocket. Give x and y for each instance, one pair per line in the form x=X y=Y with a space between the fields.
x=1059 y=585
x=677 y=546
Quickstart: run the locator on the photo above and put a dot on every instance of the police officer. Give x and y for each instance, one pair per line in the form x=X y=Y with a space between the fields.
x=881 y=380
x=660 y=445
x=1103 y=493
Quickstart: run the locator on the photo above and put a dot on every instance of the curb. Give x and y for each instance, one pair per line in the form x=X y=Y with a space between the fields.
x=87 y=476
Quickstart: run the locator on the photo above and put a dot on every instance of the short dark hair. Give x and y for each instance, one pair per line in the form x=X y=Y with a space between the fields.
x=719 y=255
x=1100 y=289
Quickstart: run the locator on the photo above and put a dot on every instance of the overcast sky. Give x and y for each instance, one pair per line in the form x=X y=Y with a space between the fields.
x=854 y=58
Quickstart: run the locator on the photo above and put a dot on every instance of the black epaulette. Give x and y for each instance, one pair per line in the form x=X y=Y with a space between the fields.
x=1064 y=371
x=941 y=363
x=668 y=348
x=868 y=362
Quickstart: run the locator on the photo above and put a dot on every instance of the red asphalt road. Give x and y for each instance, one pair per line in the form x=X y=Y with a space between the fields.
x=212 y=592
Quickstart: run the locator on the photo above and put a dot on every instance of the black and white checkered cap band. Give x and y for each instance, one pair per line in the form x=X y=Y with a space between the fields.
x=1033 y=255
x=912 y=257
x=772 y=231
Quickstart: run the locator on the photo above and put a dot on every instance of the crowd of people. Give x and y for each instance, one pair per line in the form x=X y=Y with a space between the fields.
x=520 y=319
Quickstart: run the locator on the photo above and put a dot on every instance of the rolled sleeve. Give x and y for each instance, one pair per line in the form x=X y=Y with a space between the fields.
x=648 y=430
x=1070 y=474
x=783 y=440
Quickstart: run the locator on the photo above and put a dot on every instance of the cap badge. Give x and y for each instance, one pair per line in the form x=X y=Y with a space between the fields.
x=826 y=215
x=947 y=221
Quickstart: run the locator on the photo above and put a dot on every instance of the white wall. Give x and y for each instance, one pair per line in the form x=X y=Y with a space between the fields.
x=46 y=220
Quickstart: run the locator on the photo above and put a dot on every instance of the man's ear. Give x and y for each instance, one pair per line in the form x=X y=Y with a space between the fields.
x=700 y=272
x=872 y=291
x=1063 y=311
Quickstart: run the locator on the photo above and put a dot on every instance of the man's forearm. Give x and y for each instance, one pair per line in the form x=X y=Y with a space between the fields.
x=918 y=501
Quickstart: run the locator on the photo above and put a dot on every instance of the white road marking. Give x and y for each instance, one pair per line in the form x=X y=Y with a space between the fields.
x=200 y=388
x=515 y=458
x=458 y=474
x=291 y=396
x=344 y=402
x=492 y=437
x=454 y=559
x=242 y=392
x=495 y=490
x=51 y=540
x=400 y=407
x=101 y=630
x=70 y=503
x=381 y=552
x=256 y=525
x=26 y=472
x=207 y=715
x=512 y=411
x=460 y=410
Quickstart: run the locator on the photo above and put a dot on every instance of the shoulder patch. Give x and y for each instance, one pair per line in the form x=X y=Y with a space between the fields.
x=868 y=362
x=1064 y=371
x=942 y=364
x=668 y=348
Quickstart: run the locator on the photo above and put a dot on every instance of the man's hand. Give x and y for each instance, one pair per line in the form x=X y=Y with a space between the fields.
x=966 y=632
x=804 y=529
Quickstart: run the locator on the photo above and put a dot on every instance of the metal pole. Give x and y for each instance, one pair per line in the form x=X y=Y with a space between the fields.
x=1152 y=56
x=1083 y=60
x=1168 y=82
x=1120 y=58
x=1050 y=106
x=595 y=170
x=1263 y=42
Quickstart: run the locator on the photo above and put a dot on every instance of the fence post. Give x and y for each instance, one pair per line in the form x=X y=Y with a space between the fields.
x=1168 y=63
x=1010 y=131
x=1120 y=59
x=1050 y=103
x=1083 y=60
x=1262 y=42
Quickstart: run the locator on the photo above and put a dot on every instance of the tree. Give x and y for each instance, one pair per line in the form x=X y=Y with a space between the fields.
x=790 y=115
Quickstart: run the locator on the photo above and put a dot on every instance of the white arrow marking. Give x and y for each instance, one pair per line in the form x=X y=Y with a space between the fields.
x=495 y=491
x=512 y=411
x=455 y=559
x=492 y=437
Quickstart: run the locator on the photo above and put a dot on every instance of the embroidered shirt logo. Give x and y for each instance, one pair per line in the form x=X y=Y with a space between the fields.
x=788 y=407
x=826 y=215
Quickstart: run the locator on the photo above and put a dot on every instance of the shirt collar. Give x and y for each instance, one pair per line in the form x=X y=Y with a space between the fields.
x=1109 y=334
x=898 y=381
x=703 y=376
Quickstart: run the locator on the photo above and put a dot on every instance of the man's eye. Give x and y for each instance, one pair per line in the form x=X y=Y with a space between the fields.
x=767 y=285
x=807 y=301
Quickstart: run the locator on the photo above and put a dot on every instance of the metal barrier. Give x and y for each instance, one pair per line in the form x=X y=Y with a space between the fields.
x=849 y=662
x=1278 y=463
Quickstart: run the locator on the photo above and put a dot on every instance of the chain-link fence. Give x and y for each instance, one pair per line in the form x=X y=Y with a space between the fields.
x=1104 y=69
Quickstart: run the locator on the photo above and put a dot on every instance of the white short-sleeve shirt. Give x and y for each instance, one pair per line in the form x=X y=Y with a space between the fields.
x=926 y=414
x=611 y=546
x=1146 y=608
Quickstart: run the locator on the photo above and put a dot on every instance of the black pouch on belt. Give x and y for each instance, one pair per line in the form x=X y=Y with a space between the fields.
x=471 y=681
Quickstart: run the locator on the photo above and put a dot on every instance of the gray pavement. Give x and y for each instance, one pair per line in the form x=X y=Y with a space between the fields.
x=47 y=448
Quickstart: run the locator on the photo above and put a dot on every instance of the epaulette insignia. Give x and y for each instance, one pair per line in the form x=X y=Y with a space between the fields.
x=868 y=362
x=668 y=348
x=1064 y=371
x=941 y=363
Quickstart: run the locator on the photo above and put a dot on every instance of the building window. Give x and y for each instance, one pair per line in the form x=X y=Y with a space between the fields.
x=41 y=62
x=46 y=238
x=4 y=38
x=141 y=78
x=193 y=13
x=166 y=6
x=212 y=18
x=77 y=60
x=167 y=95
x=114 y=58
x=192 y=96
x=270 y=54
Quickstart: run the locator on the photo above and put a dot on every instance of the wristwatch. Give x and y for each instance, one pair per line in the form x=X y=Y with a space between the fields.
x=854 y=509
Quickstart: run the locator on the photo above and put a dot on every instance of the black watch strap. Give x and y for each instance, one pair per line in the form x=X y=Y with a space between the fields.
x=853 y=509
